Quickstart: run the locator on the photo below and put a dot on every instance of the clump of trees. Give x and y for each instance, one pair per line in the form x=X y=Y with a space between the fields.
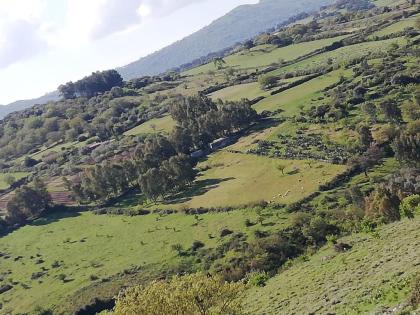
x=96 y=83
x=201 y=120
x=160 y=165
x=155 y=168
x=28 y=203
x=394 y=197
x=267 y=81
x=195 y=294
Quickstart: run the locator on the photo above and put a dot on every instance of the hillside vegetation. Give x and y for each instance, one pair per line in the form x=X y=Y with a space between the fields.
x=284 y=172
x=374 y=276
x=238 y=25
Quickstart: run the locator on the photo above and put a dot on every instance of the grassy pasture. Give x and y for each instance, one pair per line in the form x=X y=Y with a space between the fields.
x=341 y=55
x=56 y=149
x=249 y=90
x=238 y=92
x=82 y=245
x=397 y=27
x=264 y=56
x=290 y=100
x=160 y=125
x=234 y=179
x=389 y=3
x=17 y=176
x=376 y=273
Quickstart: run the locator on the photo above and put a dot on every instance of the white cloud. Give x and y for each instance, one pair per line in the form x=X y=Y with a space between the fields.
x=22 y=9
x=27 y=27
x=19 y=40
x=95 y=19
x=20 y=30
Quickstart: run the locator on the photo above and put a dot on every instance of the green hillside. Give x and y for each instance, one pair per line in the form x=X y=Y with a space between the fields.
x=374 y=276
x=238 y=25
x=290 y=166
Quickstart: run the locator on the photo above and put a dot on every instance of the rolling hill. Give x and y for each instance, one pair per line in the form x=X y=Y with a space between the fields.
x=20 y=105
x=238 y=25
x=291 y=168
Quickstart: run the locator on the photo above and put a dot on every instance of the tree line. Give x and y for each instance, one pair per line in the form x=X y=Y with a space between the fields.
x=96 y=83
x=28 y=202
x=160 y=165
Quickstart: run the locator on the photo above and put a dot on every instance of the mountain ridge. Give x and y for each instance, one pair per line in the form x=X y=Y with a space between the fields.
x=243 y=22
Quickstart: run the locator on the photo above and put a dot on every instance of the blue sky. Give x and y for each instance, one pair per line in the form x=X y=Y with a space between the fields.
x=44 y=43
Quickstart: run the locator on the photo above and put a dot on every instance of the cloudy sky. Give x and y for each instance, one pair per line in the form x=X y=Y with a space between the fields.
x=44 y=43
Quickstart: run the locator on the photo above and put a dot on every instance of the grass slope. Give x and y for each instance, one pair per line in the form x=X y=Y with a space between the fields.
x=341 y=55
x=397 y=27
x=84 y=245
x=376 y=273
x=290 y=100
x=261 y=56
x=234 y=179
x=17 y=176
x=238 y=92
x=161 y=125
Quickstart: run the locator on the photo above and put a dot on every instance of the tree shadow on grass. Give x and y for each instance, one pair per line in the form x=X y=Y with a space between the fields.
x=262 y=125
x=128 y=200
x=199 y=188
x=53 y=217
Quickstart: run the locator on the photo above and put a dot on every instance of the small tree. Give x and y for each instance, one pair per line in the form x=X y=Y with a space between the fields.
x=267 y=81
x=382 y=204
x=370 y=110
x=410 y=206
x=219 y=63
x=407 y=148
x=10 y=180
x=391 y=111
x=178 y=248
x=281 y=168
x=365 y=136
x=196 y=294
x=28 y=202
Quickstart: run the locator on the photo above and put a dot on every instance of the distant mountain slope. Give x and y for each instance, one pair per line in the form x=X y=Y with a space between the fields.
x=238 y=25
x=20 y=105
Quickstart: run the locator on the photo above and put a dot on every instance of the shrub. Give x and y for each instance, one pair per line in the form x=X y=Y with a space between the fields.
x=192 y=294
x=248 y=223
x=267 y=81
x=197 y=245
x=409 y=206
x=415 y=292
x=225 y=232
x=260 y=234
x=382 y=204
x=258 y=279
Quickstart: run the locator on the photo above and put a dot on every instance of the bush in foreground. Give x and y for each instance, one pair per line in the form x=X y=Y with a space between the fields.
x=192 y=294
